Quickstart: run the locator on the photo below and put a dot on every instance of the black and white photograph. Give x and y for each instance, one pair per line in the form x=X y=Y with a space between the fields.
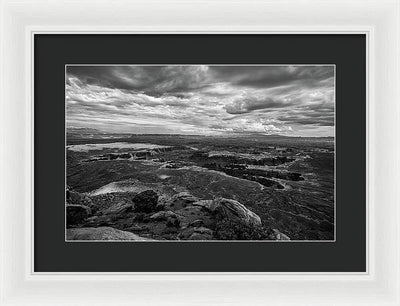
x=204 y=153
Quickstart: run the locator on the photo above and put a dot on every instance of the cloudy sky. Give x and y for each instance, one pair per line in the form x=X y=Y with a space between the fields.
x=210 y=100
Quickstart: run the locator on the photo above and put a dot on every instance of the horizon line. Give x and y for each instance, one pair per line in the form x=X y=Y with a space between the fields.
x=202 y=135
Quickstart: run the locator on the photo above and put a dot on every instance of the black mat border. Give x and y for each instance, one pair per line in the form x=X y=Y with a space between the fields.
x=346 y=51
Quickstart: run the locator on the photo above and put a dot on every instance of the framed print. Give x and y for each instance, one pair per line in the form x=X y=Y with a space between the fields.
x=179 y=152
x=161 y=155
x=191 y=158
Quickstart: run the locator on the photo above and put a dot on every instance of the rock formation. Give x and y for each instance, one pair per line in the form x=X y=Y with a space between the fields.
x=180 y=200
x=277 y=235
x=77 y=213
x=101 y=233
x=145 y=201
x=179 y=217
x=232 y=210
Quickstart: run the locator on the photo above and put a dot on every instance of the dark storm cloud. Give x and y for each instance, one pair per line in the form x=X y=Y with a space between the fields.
x=273 y=76
x=247 y=105
x=320 y=121
x=154 y=80
x=320 y=108
x=303 y=117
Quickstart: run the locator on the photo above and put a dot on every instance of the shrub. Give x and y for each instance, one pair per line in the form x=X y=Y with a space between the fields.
x=145 y=201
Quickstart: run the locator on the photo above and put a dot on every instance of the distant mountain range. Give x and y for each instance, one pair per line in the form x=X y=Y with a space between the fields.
x=91 y=131
x=83 y=130
x=281 y=136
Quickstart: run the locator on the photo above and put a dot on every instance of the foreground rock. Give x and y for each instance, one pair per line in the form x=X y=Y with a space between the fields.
x=277 y=235
x=181 y=216
x=145 y=201
x=101 y=233
x=77 y=213
x=195 y=216
x=118 y=209
x=196 y=233
x=163 y=216
x=74 y=197
x=170 y=217
x=231 y=210
x=180 y=200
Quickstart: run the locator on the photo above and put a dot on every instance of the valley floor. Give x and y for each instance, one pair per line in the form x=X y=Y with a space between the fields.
x=156 y=187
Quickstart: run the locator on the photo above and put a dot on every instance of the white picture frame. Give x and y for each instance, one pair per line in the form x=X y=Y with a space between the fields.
x=378 y=19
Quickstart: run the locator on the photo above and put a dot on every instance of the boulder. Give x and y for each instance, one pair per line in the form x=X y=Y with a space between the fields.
x=191 y=213
x=163 y=216
x=196 y=223
x=119 y=208
x=101 y=233
x=77 y=213
x=203 y=230
x=92 y=219
x=172 y=219
x=74 y=197
x=231 y=210
x=277 y=235
x=198 y=236
x=207 y=204
x=196 y=233
x=145 y=201
x=180 y=200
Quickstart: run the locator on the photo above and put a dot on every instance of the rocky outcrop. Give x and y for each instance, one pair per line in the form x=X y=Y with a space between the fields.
x=172 y=219
x=74 y=197
x=196 y=215
x=118 y=209
x=101 y=233
x=176 y=164
x=197 y=223
x=196 y=233
x=230 y=209
x=233 y=210
x=244 y=170
x=207 y=204
x=285 y=175
x=180 y=200
x=134 y=155
x=145 y=201
x=277 y=235
x=264 y=181
x=163 y=216
x=77 y=213
x=216 y=159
